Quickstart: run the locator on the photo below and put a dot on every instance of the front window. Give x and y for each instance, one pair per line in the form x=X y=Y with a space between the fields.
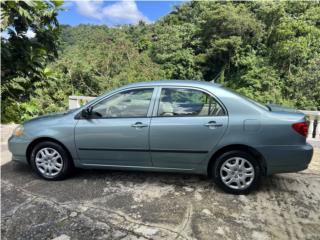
x=131 y=103
x=187 y=102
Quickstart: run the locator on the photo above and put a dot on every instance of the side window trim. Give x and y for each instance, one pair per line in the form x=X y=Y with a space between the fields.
x=157 y=102
x=150 y=107
x=154 y=101
x=158 y=98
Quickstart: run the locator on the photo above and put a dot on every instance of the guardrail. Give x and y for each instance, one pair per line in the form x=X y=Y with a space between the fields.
x=312 y=116
x=314 y=124
x=78 y=101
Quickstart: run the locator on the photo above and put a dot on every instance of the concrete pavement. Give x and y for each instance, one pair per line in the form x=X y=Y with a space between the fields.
x=139 y=205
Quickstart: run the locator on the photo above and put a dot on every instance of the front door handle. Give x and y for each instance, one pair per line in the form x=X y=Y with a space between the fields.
x=213 y=124
x=139 y=125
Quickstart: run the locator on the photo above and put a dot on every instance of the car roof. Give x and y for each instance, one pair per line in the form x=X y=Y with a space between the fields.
x=189 y=83
x=218 y=90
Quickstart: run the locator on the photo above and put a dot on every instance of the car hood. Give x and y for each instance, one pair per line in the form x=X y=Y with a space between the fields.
x=51 y=116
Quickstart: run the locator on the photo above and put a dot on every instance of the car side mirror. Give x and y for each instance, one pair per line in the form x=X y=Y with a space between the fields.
x=87 y=112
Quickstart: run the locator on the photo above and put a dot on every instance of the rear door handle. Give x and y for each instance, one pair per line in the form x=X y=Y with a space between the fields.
x=139 y=125
x=213 y=124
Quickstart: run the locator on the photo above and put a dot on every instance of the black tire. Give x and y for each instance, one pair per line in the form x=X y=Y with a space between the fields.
x=67 y=165
x=216 y=168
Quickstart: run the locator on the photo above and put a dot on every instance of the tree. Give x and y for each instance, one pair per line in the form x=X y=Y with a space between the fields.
x=268 y=51
x=32 y=30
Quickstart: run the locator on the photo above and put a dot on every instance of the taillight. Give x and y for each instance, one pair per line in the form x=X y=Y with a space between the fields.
x=301 y=128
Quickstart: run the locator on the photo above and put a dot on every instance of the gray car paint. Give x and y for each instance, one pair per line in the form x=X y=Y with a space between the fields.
x=181 y=144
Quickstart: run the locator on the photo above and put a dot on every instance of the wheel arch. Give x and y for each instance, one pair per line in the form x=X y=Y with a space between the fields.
x=43 y=139
x=240 y=147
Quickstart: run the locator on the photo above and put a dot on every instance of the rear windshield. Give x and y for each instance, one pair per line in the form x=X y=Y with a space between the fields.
x=260 y=105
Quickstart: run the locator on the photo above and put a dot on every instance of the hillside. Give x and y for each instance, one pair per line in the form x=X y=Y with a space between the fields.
x=267 y=51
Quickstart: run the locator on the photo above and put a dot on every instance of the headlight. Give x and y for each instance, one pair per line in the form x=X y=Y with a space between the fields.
x=18 y=131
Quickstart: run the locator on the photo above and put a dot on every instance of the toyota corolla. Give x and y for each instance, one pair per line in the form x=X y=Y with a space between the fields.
x=170 y=126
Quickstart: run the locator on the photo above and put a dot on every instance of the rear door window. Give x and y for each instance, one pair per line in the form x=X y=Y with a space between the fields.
x=181 y=102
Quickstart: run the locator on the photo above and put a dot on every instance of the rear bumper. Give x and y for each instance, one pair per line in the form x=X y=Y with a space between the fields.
x=282 y=159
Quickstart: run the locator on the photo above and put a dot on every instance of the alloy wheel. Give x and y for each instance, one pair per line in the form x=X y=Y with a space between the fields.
x=237 y=173
x=49 y=162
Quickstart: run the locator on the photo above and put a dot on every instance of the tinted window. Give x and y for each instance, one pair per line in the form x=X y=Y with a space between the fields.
x=187 y=102
x=131 y=103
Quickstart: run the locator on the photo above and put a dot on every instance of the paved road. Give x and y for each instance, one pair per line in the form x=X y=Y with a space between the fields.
x=134 y=205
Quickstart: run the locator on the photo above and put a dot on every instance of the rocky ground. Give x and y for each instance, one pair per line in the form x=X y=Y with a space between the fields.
x=138 y=205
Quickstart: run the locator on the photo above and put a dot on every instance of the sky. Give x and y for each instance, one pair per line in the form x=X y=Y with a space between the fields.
x=114 y=12
x=110 y=12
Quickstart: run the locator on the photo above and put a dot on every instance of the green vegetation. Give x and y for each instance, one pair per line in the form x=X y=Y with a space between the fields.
x=24 y=59
x=268 y=51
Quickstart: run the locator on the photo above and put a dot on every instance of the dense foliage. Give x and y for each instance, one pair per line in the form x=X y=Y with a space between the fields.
x=268 y=51
x=24 y=58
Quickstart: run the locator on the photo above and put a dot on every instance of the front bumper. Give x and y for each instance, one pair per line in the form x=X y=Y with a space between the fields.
x=18 y=147
x=283 y=159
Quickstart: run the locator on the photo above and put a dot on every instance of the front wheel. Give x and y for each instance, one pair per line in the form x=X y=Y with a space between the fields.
x=50 y=161
x=236 y=172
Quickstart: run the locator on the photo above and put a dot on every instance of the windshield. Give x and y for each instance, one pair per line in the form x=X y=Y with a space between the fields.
x=70 y=110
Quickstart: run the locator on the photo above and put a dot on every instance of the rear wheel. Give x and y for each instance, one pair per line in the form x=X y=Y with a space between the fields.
x=236 y=172
x=50 y=161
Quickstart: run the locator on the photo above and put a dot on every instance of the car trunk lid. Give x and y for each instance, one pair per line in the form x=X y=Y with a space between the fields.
x=295 y=118
x=279 y=108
